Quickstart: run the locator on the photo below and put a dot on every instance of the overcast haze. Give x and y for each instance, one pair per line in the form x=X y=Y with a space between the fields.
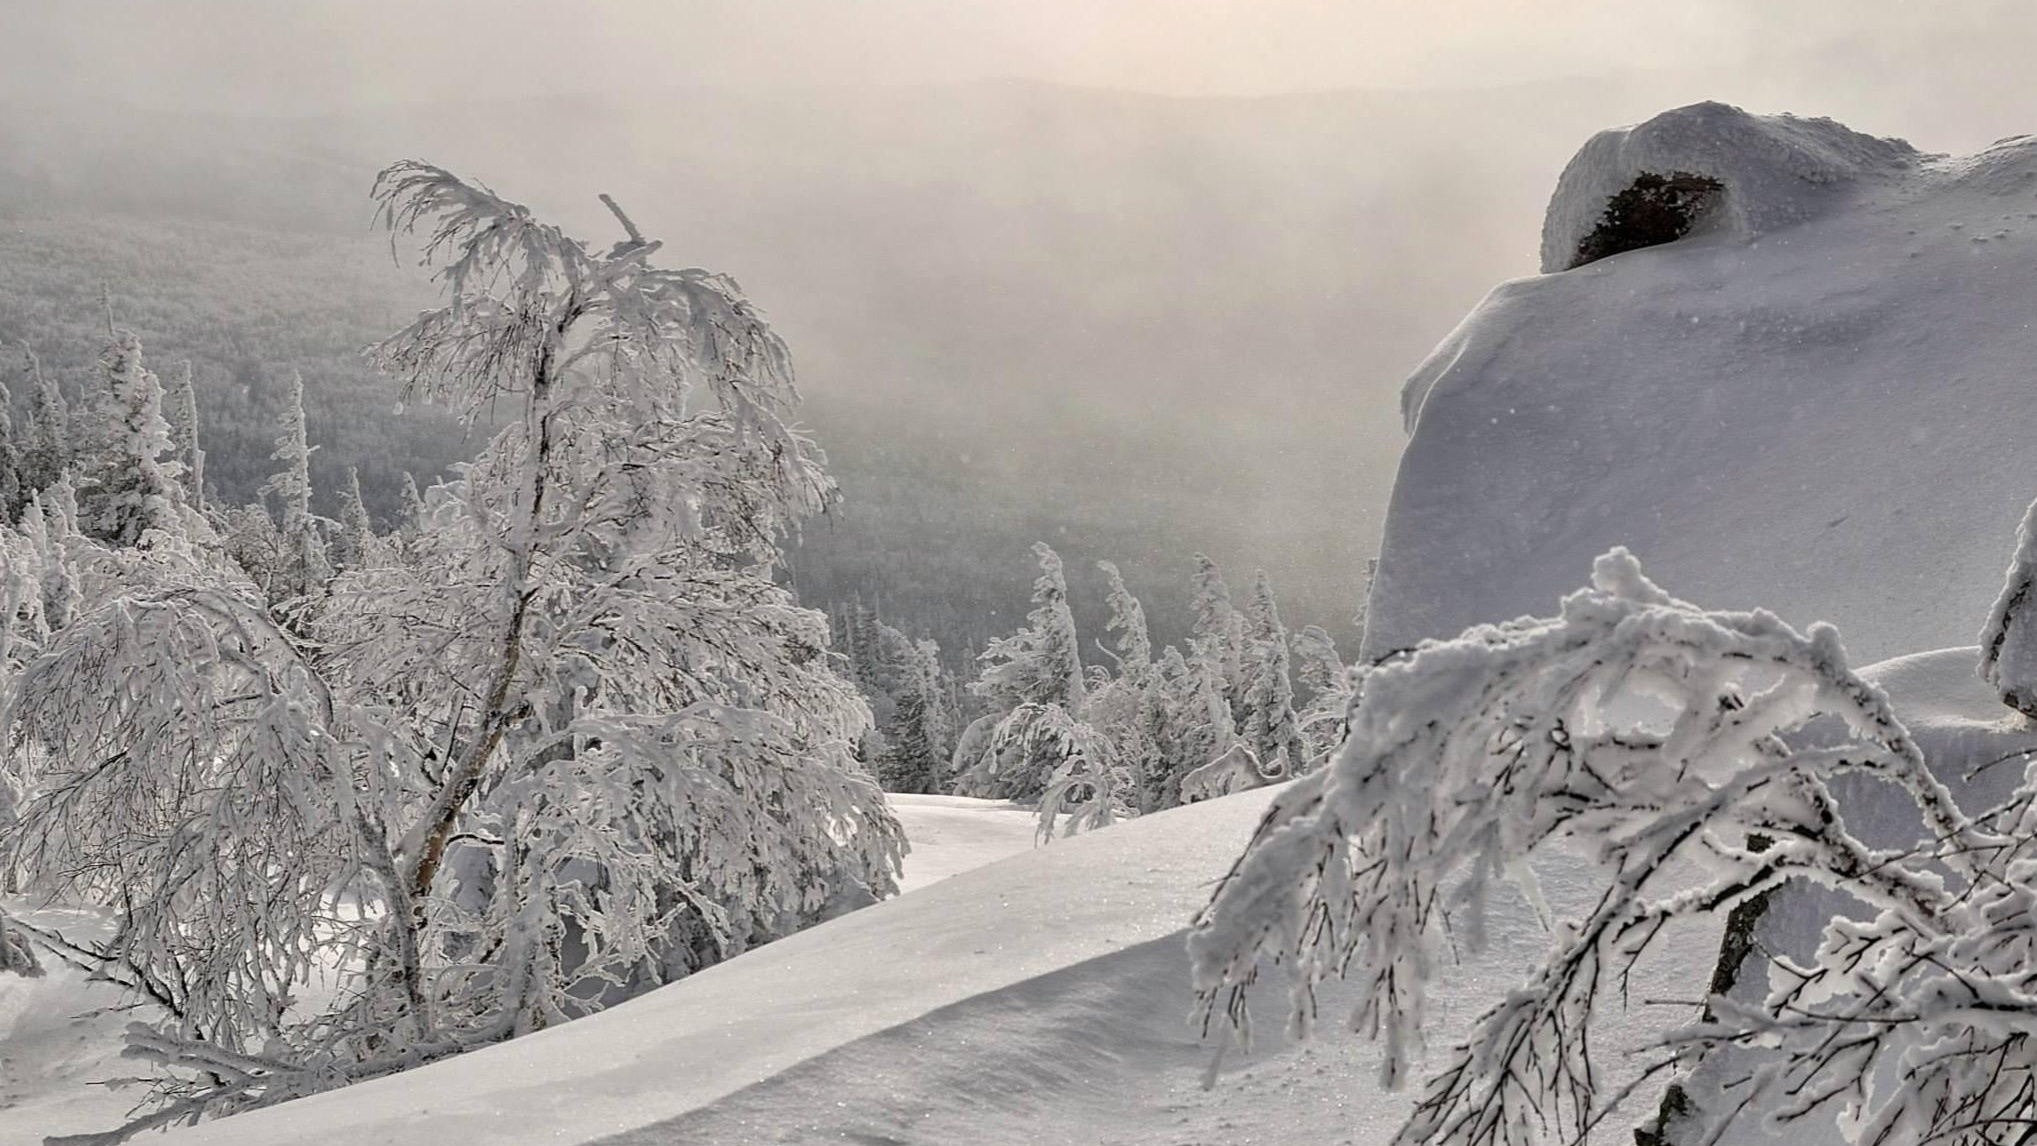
x=1136 y=326
x=310 y=55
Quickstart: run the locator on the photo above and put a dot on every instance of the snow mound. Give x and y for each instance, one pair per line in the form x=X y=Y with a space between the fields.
x=1773 y=170
x=1819 y=407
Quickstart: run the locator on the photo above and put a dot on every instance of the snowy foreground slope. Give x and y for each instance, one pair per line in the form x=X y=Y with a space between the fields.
x=1040 y=999
x=1814 y=402
x=60 y=1035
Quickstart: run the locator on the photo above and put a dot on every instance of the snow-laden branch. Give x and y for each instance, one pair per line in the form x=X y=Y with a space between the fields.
x=1646 y=729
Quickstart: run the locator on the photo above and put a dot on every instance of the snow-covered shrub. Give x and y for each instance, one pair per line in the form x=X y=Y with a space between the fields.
x=1653 y=210
x=1658 y=734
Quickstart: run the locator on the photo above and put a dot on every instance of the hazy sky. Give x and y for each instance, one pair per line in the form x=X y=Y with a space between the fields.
x=302 y=55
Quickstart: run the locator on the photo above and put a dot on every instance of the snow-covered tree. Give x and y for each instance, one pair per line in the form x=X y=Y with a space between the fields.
x=45 y=448
x=356 y=533
x=917 y=760
x=1036 y=668
x=133 y=487
x=2008 y=641
x=1088 y=786
x=303 y=564
x=1128 y=621
x=180 y=408
x=1041 y=663
x=14 y=489
x=413 y=507
x=632 y=703
x=1673 y=741
x=1270 y=729
x=1330 y=686
x=574 y=743
x=1219 y=630
x=1130 y=709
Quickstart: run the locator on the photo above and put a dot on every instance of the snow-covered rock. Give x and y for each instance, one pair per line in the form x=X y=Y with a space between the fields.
x=1813 y=402
x=1776 y=171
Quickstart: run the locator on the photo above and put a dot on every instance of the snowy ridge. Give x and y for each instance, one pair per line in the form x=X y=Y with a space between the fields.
x=1817 y=406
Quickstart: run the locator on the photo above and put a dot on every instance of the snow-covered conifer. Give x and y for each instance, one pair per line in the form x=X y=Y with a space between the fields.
x=14 y=489
x=1041 y=663
x=413 y=507
x=1270 y=726
x=1219 y=630
x=1331 y=686
x=1088 y=786
x=1128 y=621
x=180 y=408
x=303 y=563
x=918 y=756
x=133 y=488
x=46 y=449
x=2008 y=641
x=356 y=532
x=1038 y=666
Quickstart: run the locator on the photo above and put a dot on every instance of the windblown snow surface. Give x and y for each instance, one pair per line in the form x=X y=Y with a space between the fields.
x=1815 y=402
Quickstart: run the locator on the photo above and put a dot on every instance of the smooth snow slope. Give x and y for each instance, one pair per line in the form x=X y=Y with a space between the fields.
x=1041 y=999
x=1816 y=402
x=61 y=1035
x=735 y=1024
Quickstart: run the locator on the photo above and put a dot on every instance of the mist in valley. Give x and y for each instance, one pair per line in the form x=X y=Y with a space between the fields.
x=1027 y=300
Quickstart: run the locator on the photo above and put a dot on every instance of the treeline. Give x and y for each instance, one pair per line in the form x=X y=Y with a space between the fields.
x=1242 y=702
x=249 y=310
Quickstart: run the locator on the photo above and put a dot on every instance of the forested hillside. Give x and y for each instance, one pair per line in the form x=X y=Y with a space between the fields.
x=1018 y=311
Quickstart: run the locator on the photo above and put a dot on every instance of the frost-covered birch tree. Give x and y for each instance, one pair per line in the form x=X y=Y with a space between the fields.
x=572 y=742
x=640 y=758
x=1675 y=743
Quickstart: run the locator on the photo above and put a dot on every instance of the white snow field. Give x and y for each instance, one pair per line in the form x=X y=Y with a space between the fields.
x=59 y=1037
x=1815 y=402
x=1040 y=999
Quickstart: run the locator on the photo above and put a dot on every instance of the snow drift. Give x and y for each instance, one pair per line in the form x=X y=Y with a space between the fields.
x=1812 y=401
